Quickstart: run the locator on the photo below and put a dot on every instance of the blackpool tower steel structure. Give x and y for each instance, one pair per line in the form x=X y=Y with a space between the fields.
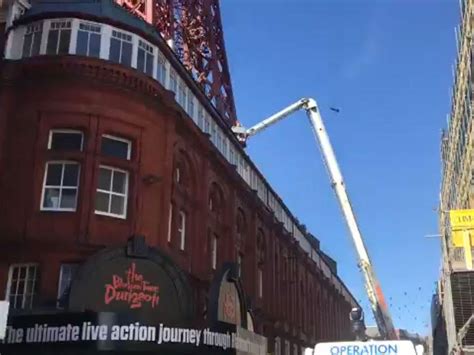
x=193 y=29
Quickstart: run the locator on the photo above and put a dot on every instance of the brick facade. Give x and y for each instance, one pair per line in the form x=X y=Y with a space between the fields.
x=298 y=303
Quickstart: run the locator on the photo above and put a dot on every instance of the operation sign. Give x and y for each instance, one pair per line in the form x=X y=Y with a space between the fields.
x=399 y=347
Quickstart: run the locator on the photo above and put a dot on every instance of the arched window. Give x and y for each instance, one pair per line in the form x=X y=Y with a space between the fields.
x=241 y=229
x=261 y=248
x=216 y=200
x=182 y=172
x=182 y=200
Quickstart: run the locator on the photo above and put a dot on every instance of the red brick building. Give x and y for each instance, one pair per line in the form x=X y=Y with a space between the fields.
x=105 y=135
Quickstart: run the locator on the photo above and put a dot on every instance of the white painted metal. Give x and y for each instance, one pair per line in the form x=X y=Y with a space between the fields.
x=275 y=118
x=379 y=309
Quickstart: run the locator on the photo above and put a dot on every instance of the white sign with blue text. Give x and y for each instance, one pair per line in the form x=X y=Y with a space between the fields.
x=399 y=347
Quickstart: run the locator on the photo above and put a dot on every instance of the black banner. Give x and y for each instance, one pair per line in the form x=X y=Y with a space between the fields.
x=97 y=332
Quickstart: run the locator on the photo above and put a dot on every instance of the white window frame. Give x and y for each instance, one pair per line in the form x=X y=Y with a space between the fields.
x=148 y=48
x=200 y=117
x=61 y=278
x=231 y=154
x=89 y=31
x=277 y=346
x=173 y=81
x=240 y=264
x=182 y=230
x=177 y=175
x=111 y=193
x=170 y=222
x=214 y=252
x=60 y=187
x=207 y=124
x=65 y=130
x=161 y=69
x=190 y=107
x=67 y=22
x=214 y=133
x=260 y=282
x=225 y=147
x=123 y=36
x=120 y=139
x=32 y=29
x=9 y=284
x=182 y=95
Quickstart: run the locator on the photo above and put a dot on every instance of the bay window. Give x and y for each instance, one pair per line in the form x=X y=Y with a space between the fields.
x=32 y=39
x=145 y=58
x=161 y=72
x=88 y=40
x=121 y=48
x=59 y=37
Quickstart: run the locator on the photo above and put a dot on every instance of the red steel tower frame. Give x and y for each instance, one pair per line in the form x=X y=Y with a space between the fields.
x=194 y=30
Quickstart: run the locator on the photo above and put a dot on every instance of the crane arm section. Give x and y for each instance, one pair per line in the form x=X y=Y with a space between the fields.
x=373 y=289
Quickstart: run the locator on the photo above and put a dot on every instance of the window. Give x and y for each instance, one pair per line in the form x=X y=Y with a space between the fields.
x=219 y=141
x=224 y=147
x=287 y=347
x=60 y=186
x=116 y=147
x=260 y=282
x=213 y=133
x=145 y=58
x=231 y=155
x=177 y=175
x=65 y=140
x=59 y=37
x=22 y=285
x=88 y=40
x=190 y=106
x=182 y=95
x=182 y=230
x=241 y=227
x=201 y=118
x=240 y=261
x=112 y=192
x=161 y=70
x=32 y=39
x=66 y=275
x=211 y=204
x=207 y=125
x=121 y=48
x=214 y=252
x=170 y=222
x=277 y=346
x=173 y=81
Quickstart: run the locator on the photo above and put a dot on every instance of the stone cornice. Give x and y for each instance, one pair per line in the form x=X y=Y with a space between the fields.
x=67 y=68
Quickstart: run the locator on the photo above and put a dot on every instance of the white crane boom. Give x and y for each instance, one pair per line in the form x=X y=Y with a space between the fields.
x=374 y=291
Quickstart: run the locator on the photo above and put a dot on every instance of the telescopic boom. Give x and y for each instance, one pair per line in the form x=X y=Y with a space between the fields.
x=374 y=291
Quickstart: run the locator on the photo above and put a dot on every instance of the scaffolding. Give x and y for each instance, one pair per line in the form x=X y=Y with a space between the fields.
x=457 y=189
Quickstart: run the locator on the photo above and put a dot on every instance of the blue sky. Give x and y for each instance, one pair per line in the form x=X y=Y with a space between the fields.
x=387 y=65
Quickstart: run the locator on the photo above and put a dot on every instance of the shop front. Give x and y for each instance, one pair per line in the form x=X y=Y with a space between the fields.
x=134 y=299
